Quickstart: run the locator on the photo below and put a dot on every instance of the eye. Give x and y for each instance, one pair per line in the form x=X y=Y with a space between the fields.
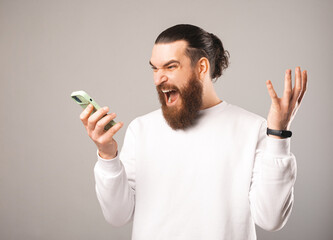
x=172 y=66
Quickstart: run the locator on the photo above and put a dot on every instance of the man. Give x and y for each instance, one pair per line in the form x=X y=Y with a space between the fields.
x=199 y=167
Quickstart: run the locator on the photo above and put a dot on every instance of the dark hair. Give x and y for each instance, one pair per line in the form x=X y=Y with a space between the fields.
x=200 y=44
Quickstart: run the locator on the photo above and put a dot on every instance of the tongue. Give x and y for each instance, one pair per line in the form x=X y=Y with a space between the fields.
x=172 y=97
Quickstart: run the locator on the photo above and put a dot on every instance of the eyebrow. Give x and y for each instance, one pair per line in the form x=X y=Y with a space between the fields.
x=167 y=63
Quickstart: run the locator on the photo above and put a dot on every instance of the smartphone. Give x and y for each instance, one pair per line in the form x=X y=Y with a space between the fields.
x=83 y=99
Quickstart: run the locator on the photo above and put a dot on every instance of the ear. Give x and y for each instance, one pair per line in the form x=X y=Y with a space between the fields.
x=203 y=67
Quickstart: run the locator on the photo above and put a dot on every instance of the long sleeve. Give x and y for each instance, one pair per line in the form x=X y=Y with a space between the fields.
x=115 y=183
x=274 y=174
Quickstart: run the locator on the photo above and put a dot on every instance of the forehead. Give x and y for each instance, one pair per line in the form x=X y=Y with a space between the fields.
x=164 y=52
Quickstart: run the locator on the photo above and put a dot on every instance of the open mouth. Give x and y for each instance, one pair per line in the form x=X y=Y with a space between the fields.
x=170 y=96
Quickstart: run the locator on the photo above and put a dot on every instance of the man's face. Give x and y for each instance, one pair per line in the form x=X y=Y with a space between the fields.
x=177 y=84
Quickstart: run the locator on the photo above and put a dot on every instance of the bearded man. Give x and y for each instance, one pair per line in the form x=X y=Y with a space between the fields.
x=199 y=167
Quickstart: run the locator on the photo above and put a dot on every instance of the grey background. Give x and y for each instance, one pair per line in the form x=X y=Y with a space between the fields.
x=50 y=48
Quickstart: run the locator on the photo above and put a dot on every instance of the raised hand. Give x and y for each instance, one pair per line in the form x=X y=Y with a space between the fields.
x=283 y=110
x=94 y=124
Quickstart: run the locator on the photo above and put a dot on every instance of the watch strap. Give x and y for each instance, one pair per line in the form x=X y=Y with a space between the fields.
x=280 y=133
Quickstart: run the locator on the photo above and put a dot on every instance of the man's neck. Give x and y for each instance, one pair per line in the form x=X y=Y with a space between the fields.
x=210 y=103
x=209 y=96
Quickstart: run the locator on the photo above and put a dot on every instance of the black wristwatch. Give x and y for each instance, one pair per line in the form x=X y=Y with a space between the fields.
x=280 y=133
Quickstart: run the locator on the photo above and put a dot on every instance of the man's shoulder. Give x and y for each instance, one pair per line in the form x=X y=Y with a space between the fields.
x=240 y=115
x=151 y=118
x=245 y=115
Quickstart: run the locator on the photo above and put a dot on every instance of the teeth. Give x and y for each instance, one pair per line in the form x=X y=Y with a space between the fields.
x=169 y=100
x=166 y=91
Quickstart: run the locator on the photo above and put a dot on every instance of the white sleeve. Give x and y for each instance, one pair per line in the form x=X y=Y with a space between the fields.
x=115 y=183
x=274 y=174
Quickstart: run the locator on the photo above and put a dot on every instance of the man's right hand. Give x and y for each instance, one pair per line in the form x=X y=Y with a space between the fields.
x=94 y=124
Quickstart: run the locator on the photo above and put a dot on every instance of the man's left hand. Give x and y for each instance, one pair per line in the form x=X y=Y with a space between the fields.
x=283 y=110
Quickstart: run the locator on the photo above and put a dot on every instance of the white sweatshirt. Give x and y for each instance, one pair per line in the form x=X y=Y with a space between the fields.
x=212 y=181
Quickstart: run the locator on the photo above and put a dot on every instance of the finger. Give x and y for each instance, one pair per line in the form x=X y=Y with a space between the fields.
x=99 y=129
x=298 y=86
x=304 y=85
x=272 y=92
x=92 y=120
x=112 y=131
x=287 y=85
x=85 y=114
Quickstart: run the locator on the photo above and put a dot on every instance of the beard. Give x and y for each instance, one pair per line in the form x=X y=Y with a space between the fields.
x=185 y=115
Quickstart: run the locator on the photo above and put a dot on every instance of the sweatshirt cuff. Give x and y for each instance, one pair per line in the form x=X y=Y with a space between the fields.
x=278 y=147
x=110 y=165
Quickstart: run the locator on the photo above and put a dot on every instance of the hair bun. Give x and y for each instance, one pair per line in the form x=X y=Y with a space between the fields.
x=221 y=60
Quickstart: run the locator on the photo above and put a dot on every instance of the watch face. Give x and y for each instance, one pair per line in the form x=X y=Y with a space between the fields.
x=285 y=134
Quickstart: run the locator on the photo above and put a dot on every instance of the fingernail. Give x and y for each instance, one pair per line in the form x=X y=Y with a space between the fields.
x=105 y=108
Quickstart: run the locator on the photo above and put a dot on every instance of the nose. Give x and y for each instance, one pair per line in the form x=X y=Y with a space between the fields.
x=159 y=77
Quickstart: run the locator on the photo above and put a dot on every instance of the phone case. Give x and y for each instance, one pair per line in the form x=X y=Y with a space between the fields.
x=83 y=99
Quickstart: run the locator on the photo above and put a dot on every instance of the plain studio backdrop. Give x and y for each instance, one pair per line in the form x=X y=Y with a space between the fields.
x=50 y=48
